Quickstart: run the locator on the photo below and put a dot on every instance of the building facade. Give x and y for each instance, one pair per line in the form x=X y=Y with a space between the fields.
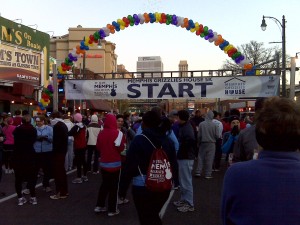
x=97 y=60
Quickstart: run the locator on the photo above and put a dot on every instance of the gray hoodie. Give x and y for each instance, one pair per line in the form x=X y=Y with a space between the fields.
x=208 y=130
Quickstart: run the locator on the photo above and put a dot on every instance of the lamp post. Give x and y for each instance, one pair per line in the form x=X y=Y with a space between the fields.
x=282 y=24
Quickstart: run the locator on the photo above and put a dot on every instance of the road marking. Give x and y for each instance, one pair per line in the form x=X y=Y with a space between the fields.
x=37 y=186
x=164 y=208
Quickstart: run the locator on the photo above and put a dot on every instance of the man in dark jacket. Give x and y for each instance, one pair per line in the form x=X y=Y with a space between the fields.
x=185 y=157
x=24 y=159
x=60 y=148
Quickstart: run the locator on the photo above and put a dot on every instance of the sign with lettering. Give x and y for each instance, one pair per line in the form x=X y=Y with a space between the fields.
x=20 y=65
x=24 y=53
x=174 y=87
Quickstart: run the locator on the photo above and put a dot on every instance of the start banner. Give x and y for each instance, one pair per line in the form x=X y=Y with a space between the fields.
x=174 y=87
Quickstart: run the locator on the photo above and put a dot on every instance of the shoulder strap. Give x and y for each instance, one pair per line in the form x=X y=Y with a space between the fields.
x=148 y=140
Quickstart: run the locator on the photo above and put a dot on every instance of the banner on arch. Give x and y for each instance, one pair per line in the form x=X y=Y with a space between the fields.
x=174 y=87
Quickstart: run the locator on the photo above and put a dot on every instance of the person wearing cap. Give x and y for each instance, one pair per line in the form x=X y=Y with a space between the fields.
x=93 y=130
x=230 y=137
x=266 y=191
x=79 y=132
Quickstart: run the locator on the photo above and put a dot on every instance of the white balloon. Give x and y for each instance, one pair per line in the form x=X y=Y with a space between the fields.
x=180 y=20
x=142 y=18
x=106 y=31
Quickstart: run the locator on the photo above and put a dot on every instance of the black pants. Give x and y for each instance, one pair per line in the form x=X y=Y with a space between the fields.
x=80 y=161
x=25 y=174
x=109 y=189
x=148 y=204
x=44 y=162
x=92 y=150
x=59 y=172
x=218 y=154
x=7 y=155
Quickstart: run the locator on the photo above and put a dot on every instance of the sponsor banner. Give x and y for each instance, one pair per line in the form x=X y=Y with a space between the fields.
x=174 y=88
x=19 y=64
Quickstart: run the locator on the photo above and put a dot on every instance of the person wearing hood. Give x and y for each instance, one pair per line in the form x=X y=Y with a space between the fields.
x=207 y=136
x=79 y=132
x=93 y=130
x=60 y=148
x=110 y=144
x=43 y=148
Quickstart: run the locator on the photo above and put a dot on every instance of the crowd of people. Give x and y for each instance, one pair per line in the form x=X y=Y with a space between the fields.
x=260 y=155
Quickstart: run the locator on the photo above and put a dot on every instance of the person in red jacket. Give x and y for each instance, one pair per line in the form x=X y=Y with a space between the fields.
x=110 y=143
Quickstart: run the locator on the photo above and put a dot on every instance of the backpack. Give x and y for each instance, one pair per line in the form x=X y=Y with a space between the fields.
x=159 y=173
x=80 y=141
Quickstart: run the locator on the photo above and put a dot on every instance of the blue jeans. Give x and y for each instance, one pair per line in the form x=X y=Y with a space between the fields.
x=185 y=168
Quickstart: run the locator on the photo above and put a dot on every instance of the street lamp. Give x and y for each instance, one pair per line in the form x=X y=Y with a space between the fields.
x=34 y=25
x=19 y=24
x=282 y=24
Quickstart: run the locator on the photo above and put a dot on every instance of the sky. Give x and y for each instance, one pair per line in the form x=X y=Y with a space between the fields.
x=237 y=21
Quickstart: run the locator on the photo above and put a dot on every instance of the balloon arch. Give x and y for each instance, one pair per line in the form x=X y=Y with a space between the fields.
x=134 y=20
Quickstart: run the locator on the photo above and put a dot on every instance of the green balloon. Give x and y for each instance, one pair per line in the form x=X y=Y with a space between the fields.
x=96 y=36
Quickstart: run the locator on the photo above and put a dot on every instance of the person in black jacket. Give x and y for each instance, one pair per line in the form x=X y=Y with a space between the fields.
x=147 y=203
x=60 y=148
x=185 y=156
x=24 y=159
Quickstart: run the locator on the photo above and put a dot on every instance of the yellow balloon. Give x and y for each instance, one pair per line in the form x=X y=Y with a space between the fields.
x=197 y=27
x=193 y=30
x=227 y=48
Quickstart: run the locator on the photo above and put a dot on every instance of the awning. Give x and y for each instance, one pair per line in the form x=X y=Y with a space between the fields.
x=5 y=96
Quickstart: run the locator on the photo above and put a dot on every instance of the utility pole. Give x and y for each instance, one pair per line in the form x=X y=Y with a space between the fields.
x=55 y=89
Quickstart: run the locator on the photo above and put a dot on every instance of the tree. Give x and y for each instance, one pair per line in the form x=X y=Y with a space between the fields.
x=257 y=54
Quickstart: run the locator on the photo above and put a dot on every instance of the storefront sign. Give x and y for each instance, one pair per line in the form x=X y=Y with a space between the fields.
x=19 y=64
x=174 y=88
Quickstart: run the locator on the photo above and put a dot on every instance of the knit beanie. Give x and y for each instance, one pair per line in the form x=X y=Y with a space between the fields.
x=94 y=119
x=232 y=118
x=78 y=117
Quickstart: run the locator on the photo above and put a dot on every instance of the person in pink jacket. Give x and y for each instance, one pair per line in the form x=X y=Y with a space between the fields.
x=8 y=145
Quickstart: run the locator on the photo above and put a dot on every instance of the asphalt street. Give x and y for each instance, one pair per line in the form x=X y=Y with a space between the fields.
x=78 y=208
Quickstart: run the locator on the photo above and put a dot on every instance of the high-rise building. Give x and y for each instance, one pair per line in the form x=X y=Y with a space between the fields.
x=147 y=65
x=184 y=67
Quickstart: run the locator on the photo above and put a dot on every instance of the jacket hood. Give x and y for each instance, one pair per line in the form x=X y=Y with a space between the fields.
x=110 y=122
x=209 y=116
